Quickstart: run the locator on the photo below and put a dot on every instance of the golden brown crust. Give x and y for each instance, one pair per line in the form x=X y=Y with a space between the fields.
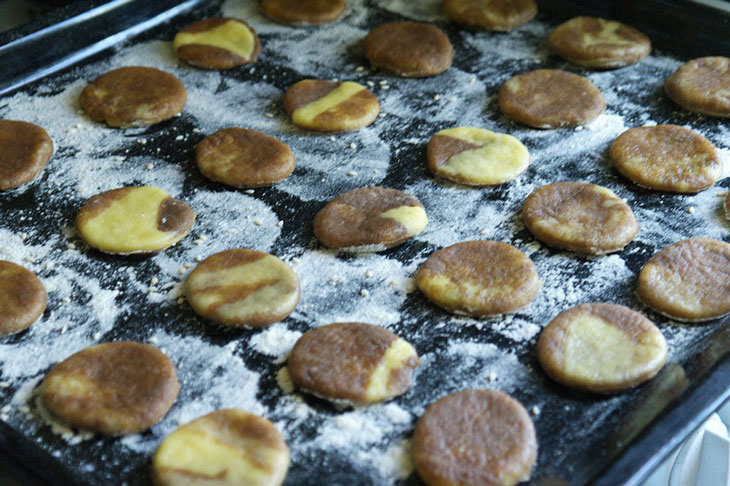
x=727 y=206
x=303 y=12
x=688 y=280
x=484 y=278
x=666 y=158
x=244 y=158
x=493 y=15
x=112 y=388
x=353 y=219
x=25 y=148
x=133 y=96
x=22 y=298
x=482 y=437
x=409 y=49
x=442 y=147
x=212 y=57
x=599 y=43
x=336 y=361
x=580 y=217
x=702 y=86
x=549 y=98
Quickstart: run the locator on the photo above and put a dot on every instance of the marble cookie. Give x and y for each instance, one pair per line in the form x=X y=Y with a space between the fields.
x=217 y=43
x=22 y=298
x=25 y=149
x=702 y=86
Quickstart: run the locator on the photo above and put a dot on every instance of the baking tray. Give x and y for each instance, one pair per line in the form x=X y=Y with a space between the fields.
x=583 y=438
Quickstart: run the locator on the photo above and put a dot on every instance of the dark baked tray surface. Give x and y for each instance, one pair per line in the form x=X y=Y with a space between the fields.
x=95 y=297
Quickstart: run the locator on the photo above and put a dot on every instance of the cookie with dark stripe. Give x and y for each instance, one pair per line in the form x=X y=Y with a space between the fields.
x=25 y=149
x=22 y=298
x=217 y=43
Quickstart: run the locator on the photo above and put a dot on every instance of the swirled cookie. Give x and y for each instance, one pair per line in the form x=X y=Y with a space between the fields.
x=475 y=437
x=476 y=157
x=493 y=15
x=217 y=43
x=303 y=12
x=727 y=205
x=22 y=298
x=25 y=149
x=353 y=362
x=113 y=388
x=479 y=278
x=702 y=86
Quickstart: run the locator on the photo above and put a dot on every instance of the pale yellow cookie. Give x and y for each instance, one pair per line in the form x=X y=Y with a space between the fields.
x=602 y=348
x=224 y=448
x=476 y=157
x=141 y=219
x=243 y=288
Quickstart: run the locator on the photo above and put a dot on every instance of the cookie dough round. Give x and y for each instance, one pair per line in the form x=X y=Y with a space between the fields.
x=603 y=348
x=479 y=278
x=330 y=106
x=25 y=149
x=476 y=157
x=666 y=158
x=688 y=280
x=409 y=49
x=224 y=448
x=113 y=388
x=549 y=98
x=493 y=15
x=303 y=12
x=22 y=298
x=599 y=43
x=133 y=96
x=727 y=206
x=702 y=86
x=142 y=219
x=352 y=362
x=243 y=288
x=579 y=217
x=217 y=43
x=369 y=219
x=244 y=158
x=482 y=437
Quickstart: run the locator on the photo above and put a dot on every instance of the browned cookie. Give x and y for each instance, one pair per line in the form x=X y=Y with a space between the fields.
x=603 y=348
x=22 y=298
x=354 y=362
x=702 y=86
x=244 y=158
x=133 y=96
x=25 y=149
x=689 y=280
x=217 y=43
x=580 y=217
x=369 y=219
x=474 y=437
x=548 y=98
x=479 y=278
x=112 y=388
x=409 y=49
x=666 y=158
x=303 y=12
x=494 y=15
x=727 y=206
x=599 y=43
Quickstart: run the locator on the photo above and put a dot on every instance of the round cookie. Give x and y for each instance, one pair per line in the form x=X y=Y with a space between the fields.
x=224 y=448
x=493 y=15
x=666 y=158
x=479 y=278
x=133 y=96
x=353 y=362
x=112 y=388
x=244 y=158
x=409 y=49
x=579 y=217
x=369 y=219
x=599 y=43
x=702 y=86
x=22 y=298
x=217 y=43
x=482 y=437
x=330 y=106
x=243 y=288
x=727 y=206
x=303 y=12
x=476 y=157
x=548 y=98
x=688 y=280
x=142 y=219
x=603 y=348
x=25 y=149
